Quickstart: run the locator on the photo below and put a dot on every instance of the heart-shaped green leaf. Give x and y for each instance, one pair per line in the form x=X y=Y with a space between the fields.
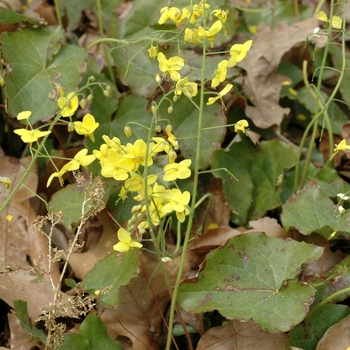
x=253 y=276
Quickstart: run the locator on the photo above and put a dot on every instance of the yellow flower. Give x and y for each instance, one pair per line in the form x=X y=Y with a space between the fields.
x=114 y=165
x=68 y=104
x=222 y=93
x=29 y=136
x=24 y=115
x=137 y=153
x=241 y=125
x=6 y=181
x=220 y=73
x=190 y=89
x=221 y=14
x=59 y=175
x=337 y=22
x=191 y=36
x=210 y=34
x=238 y=52
x=177 y=170
x=153 y=51
x=87 y=126
x=341 y=147
x=178 y=202
x=171 y=66
x=80 y=159
x=172 y=13
x=125 y=242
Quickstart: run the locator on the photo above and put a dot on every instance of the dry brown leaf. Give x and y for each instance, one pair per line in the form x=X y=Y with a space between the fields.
x=81 y=263
x=337 y=337
x=142 y=304
x=212 y=239
x=269 y=226
x=20 y=339
x=19 y=241
x=262 y=82
x=241 y=336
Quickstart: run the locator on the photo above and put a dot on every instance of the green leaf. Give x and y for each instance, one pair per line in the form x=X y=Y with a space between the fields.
x=184 y=120
x=69 y=201
x=131 y=109
x=73 y=10
x=312 y=211
x=96 y=333
x=20 y=307
x=35 y=66
x=112 y=272
x=136 y=69
x=253 y=276
x=307 y=335
x=331 y=183
x=93 y=336
x=75 y=341
x=10 y=16
x=258 y=173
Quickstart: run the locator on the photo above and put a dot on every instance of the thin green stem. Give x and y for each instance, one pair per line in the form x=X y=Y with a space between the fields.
x=105 y=51
x=193 y=200
x=58 y=13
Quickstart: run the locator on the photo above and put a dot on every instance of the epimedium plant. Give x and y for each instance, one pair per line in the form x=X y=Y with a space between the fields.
x=152 y=167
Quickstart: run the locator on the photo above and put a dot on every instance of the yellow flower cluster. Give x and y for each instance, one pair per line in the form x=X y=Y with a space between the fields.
x=124 y=162
x=195 y=33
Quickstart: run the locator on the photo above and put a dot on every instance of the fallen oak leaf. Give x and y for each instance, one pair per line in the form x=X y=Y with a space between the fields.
x=263 y=84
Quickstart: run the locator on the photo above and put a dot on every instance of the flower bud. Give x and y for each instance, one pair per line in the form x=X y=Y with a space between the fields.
x=172 y=156
x=109 y=89
x=70 y=127
x=106 y=93
x=2 y=81
x=82 y=103
x=170 y=109
x=175 y=98
x=90 y=98
x=154 y=109
x=127 y=131
x=169 y=129
x=92 y=78
x=158 y=128
x=159 y=79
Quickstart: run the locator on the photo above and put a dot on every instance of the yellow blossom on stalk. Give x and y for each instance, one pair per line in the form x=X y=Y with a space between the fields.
x=68 y=104
x=59 y=175
x=210 y=34
x=29 y=136
x=125 y=242
x=220 y=73
x=172 y=140
x=177 y=170
x=238 y=52
x=222 y=93
x=80 y=159
x=191 y=36
x=160 y=145
x=24 y=115
x=135 y=183
x=190 y=89
x=6 y=181
x=341 y=147
x=114 y=165
x=172 y=13
x=153 y=51
x=171 y=66
x=137 y=153
x=221 y=14
x=87 y=126
x=241 y=125
x=337 y=21
x=178 y=202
